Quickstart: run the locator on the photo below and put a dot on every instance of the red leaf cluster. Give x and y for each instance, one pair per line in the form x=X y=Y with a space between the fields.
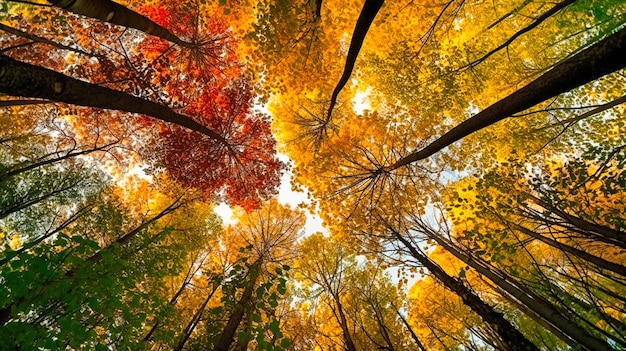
x=242 y=173
x=202 y=80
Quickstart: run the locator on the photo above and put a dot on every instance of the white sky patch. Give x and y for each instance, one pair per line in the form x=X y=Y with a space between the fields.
x=472 y=109
x=360 y=101
x=286 y=196
x=138 y=170
x=226 y=213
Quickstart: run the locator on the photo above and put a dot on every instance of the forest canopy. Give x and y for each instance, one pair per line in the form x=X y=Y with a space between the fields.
x=466 y=159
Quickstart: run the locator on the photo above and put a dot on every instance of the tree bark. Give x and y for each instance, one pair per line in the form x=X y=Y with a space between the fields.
x=592 y=230
x=583 y=255
x=343 y=322
x=76 y=215
x=602 y=58
x=510 y=336
x=193 y=269
x=556 y=8
x=363 y=23
x=26 y=80
x=414 y=336
x=38 y=39
x=20 y=206
x=228 y=333
x=538 y=304
x=191 y=326
x=69 y=154
x=112 y=12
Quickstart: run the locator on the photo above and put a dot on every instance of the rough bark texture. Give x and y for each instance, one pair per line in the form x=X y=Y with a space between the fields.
x=112 y=12
x=26 y=80
x=363 y=23
x=602 y=58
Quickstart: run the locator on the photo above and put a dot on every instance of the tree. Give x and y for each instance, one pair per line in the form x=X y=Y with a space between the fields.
x=270 y=232
x=509 y=336
x=326 y=267
x=584 y=67
x=518 y=220
x=112 y=12
x=478 y=143
x=366 y=17
x=541 y=307
x=204 y=97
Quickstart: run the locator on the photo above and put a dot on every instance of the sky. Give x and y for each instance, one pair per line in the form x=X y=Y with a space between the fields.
x=285 y=196
x=294 y=198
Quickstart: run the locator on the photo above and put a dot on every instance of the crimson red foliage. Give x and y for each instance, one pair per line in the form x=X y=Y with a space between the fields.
x=203 y=81
x=242 y=173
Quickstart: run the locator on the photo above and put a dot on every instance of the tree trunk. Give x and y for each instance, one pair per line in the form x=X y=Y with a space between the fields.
x=363 y=23
x=193 y=269
x=595 y=260
x=228 y=333
x=195 y=319
x=343 y=322
x=20 y=206
x=76 y=215
x=384 y=331
x=510 y=336
x=602 y=58
x=538 y=304
x=112 y=12
x=410 y=329
x=26 y=80
x=555 y=9
x=597 y=231
x=67 y=156
x=38 y=39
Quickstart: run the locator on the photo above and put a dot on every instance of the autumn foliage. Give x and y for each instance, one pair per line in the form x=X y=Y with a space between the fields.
x=465 y=160
x=203 y=81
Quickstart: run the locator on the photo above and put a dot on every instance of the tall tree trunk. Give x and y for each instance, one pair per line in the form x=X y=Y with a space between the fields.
x=510 y=336
x=76 y=215
x=191 y=326
x=69 y=154
x=544 y=16
x=602 y=58
x=228 y=333
x=343 y=322
x=414 y=336
x=191 y=272
x=541 y=306
x=363 y=23
x=112 y=12
x=384 y=331
x=38 y=39
x=26 y=80
x=20 y=206
x=583 y=255
x=590 y=229
x=126 y=238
